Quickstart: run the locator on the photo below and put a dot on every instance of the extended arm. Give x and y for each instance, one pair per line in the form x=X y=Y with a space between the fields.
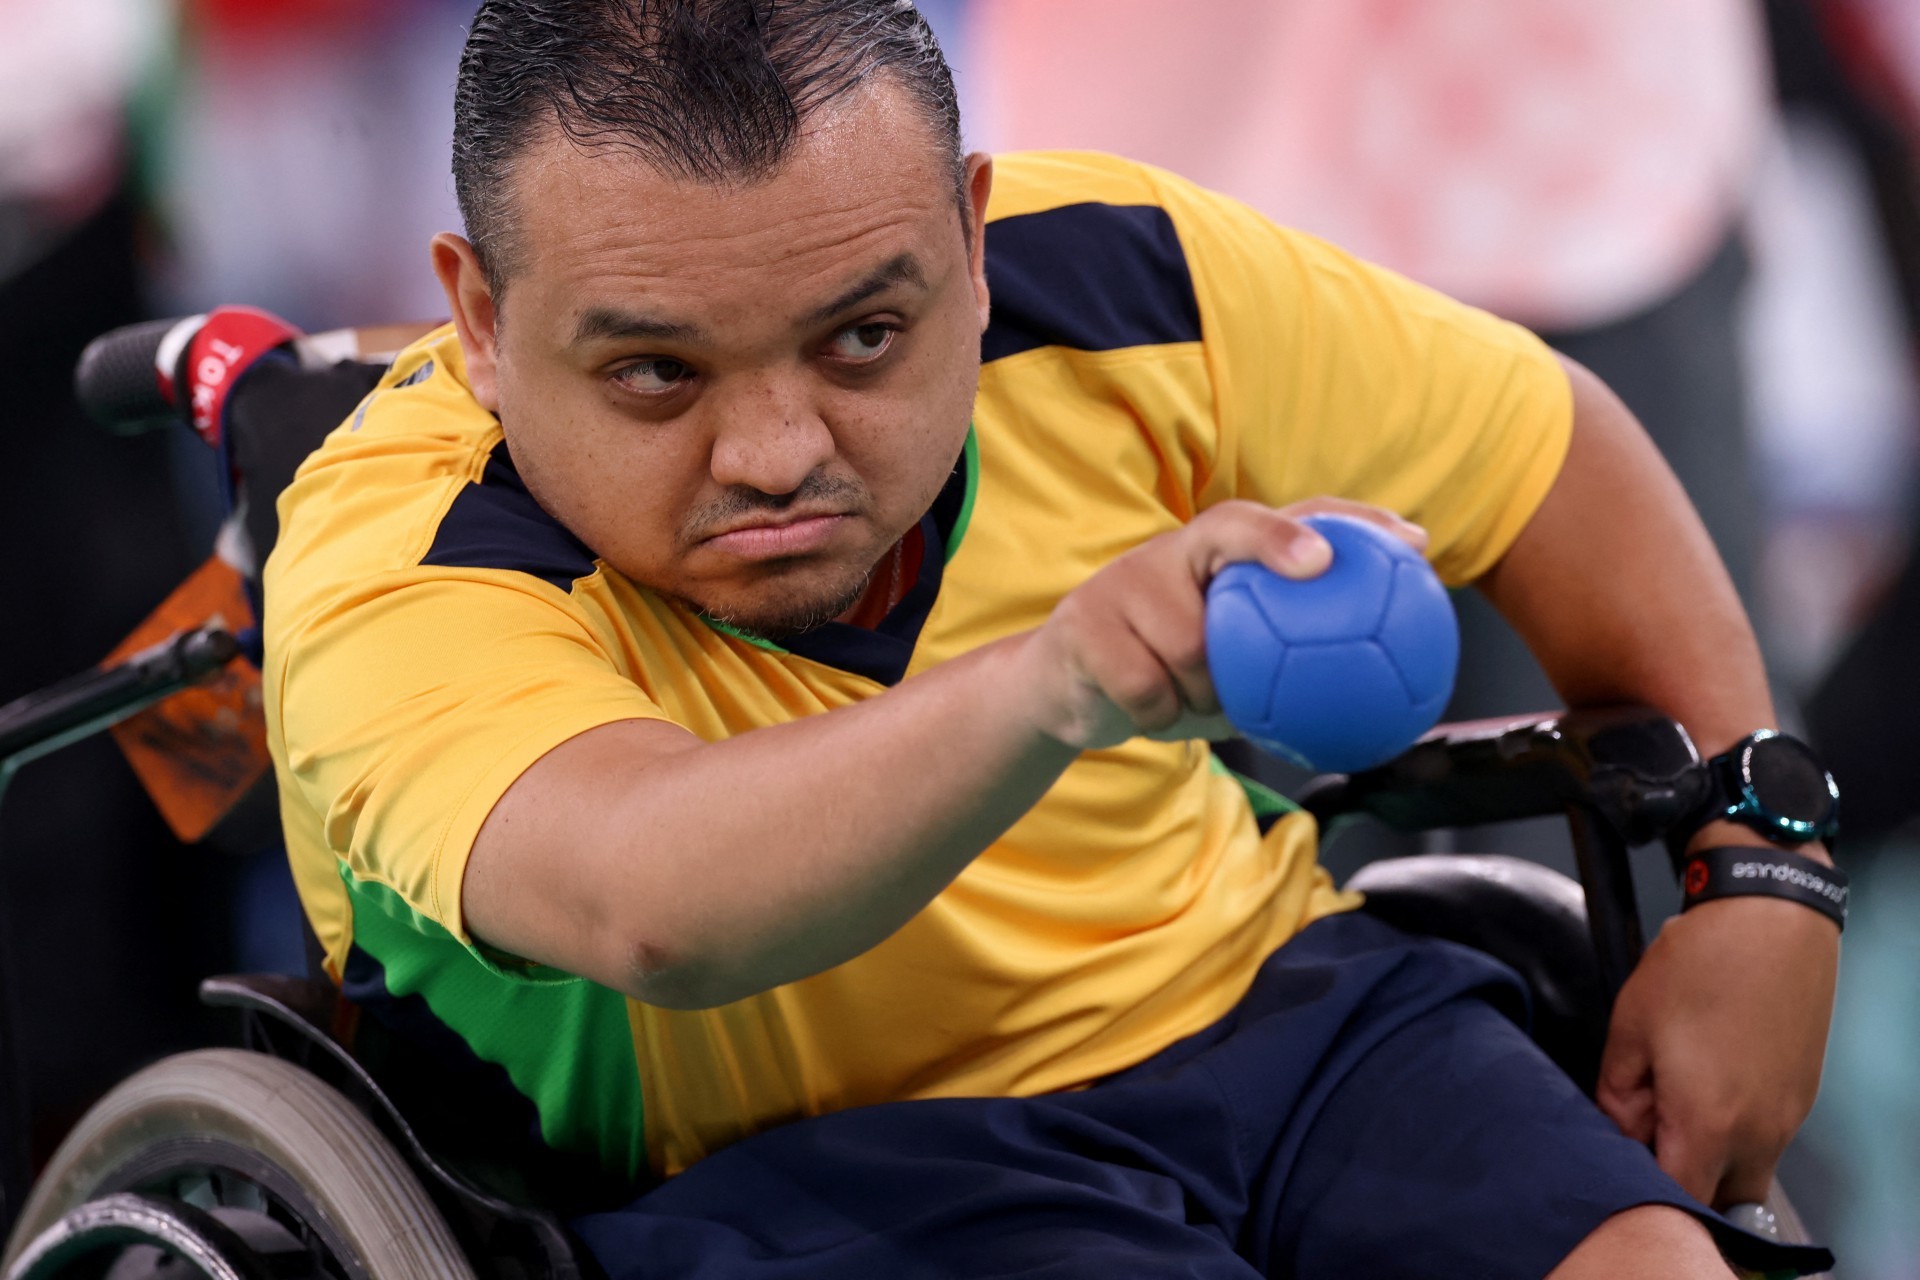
x=691 y=874
x=1715 y=1049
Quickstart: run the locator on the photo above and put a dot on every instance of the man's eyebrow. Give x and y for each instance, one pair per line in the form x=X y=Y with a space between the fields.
x=610 y=322
x=599 y=323
x=904 y=269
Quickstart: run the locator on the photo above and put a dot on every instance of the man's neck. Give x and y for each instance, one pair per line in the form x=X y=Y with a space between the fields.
x=891 y=580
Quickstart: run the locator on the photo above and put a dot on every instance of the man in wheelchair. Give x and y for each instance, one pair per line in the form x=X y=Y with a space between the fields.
x=744 y=681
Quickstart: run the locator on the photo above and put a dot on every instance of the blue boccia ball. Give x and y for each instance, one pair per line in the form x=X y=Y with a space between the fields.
x=1339 y=672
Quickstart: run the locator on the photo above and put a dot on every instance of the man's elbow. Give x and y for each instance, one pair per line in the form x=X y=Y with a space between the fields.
x=667 y=976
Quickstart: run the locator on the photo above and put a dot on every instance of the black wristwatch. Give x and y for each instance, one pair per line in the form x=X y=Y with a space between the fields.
x=1769 y=782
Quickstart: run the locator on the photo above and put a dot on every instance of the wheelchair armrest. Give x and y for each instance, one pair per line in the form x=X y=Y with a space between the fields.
x=1621 y=776
x=1630 y=767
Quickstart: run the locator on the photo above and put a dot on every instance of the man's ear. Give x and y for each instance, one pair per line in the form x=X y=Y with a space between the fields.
x=470 y=299
x=979 y=187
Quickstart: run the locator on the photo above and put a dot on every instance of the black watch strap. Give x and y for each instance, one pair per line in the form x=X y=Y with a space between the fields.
x=1738 y=872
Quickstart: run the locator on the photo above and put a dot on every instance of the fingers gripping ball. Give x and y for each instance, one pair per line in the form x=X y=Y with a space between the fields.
x=1339 y=672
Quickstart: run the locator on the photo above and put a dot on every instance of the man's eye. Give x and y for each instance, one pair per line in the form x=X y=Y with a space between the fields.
x=863 y=342
x=659 y=374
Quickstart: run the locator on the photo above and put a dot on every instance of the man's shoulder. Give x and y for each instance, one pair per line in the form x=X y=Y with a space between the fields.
x=1107 y=193
x=397 y=489
x=424 y=397
x=1110 y=215
x=1086 y=253
x=1094 y=252
x=1029 y=182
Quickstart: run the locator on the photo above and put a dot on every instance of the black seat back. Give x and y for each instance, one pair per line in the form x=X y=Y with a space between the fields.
x=1529 y=917
x=278 y=416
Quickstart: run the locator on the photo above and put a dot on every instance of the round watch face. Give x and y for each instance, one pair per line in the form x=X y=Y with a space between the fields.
x=1783 y=779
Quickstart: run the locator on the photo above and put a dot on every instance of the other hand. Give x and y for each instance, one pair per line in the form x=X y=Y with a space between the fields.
x=1714 y=1054
x=1124 y=654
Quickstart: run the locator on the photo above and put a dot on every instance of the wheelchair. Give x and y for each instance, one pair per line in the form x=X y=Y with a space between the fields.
x=318 y=1147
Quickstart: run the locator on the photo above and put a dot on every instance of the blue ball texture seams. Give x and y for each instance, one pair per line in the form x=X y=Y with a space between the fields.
x=1339 y=672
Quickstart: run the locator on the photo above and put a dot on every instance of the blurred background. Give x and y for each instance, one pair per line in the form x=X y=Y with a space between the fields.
x=1713 y=203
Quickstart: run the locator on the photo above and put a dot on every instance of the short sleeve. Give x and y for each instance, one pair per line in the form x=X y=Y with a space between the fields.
x=406 y=713
x=1333 y=376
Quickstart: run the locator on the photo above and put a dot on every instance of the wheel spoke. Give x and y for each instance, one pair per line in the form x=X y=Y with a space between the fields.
x=241 y=1193
x=195 y=1187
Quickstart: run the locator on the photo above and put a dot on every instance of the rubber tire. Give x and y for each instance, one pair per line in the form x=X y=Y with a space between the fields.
x=352 y=1177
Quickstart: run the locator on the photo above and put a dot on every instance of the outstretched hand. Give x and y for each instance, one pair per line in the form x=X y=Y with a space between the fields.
x=1124 y=654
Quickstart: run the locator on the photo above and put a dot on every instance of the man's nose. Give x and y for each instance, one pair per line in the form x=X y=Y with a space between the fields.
x=770 y=438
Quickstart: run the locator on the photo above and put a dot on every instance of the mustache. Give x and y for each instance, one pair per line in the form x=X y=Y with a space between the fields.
x=818 y=489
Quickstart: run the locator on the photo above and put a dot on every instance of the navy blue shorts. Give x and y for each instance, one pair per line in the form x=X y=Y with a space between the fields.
x=1369 y=1109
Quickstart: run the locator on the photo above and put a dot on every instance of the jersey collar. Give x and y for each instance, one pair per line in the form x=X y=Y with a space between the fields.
x=882 y=653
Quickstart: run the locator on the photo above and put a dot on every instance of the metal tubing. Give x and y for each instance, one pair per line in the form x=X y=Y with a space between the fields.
x=1613 y=912
x=31 y=727
x=41 y=722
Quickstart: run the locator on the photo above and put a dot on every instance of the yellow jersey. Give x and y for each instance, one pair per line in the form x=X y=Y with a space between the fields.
x=1154 y=349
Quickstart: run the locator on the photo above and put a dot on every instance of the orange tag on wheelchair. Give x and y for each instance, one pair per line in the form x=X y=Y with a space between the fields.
x=199 y=751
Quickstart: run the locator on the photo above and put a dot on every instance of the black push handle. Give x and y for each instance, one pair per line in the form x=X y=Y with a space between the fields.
x=41 y=722
x=117 y=381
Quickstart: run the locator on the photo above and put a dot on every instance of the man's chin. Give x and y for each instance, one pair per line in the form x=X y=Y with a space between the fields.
x=780 y=611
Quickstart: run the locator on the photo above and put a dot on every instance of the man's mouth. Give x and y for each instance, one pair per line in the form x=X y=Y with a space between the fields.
x=778 y=538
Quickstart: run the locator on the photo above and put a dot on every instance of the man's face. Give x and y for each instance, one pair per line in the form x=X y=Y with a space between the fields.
x=741 y=395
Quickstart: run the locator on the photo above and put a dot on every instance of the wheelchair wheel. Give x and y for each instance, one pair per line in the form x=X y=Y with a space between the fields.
x=264 y=1155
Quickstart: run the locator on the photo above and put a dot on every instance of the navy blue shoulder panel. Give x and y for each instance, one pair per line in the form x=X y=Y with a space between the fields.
x=494 y=523
x=1094 y=277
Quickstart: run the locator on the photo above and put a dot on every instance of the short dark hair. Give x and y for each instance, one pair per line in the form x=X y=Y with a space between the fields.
x=706 y=90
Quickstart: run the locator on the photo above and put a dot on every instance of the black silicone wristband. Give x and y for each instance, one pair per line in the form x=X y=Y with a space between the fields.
x=1739 y=872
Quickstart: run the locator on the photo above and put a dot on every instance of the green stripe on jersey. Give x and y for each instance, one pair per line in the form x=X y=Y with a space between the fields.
x=971 y=456
x=566 y=1043
x=728 y=629
x=1265 y=801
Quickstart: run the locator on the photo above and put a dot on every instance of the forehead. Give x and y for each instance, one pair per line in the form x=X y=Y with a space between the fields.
x=867 y=181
